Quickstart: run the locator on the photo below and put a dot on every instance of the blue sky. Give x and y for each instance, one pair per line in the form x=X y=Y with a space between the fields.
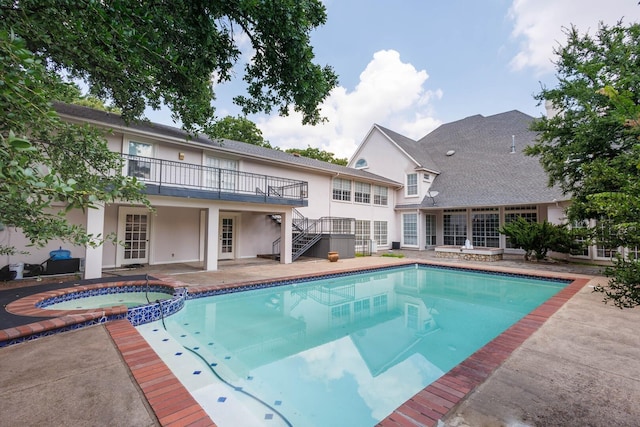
x=412 y=65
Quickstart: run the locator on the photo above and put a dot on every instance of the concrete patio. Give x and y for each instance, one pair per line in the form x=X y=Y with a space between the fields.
x=581 y=368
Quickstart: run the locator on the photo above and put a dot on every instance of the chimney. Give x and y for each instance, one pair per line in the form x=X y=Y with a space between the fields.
x=551 y=110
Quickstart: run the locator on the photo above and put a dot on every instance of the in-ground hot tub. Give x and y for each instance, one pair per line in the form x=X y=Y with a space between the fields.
x=128 y=299
x=144 y=301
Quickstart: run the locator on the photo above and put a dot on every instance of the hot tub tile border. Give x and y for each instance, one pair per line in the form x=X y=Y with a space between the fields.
x=65 y=320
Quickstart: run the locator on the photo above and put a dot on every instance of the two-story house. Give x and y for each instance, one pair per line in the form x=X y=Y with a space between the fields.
x=220 y=199
x=463 y=180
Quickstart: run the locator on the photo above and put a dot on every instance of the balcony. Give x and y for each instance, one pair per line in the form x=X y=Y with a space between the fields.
x=179 y=179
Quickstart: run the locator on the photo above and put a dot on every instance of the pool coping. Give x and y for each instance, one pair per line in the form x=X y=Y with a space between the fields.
x=425 y=408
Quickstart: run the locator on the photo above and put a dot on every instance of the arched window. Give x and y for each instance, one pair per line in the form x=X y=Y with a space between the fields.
x=361 y=164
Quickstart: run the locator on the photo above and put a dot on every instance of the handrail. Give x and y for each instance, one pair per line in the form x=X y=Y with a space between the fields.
x=188 y=175
x=316 y=228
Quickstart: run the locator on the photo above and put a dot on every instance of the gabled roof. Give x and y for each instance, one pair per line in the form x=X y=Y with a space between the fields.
x=237 y=148
x=412 y=148
x=482 y=171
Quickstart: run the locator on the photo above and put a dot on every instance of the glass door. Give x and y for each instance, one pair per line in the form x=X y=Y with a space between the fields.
x=133 y=232
x=226 y=240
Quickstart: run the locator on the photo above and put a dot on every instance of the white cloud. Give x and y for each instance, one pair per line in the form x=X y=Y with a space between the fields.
x=390 y=92
x=538 y=25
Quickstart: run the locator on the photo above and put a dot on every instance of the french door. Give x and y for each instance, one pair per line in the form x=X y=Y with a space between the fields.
x=224 y=176
x=133 y=232
x=226 y=241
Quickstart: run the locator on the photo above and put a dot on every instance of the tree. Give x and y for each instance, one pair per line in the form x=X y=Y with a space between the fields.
x=591 y=149
x=242 y=129
x=239 y=129
x=35 y=152
x=134 y=54
x=318 y=154
x=141 y=53
x=538 y=238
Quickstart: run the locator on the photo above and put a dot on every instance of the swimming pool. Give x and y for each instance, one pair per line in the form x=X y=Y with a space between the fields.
x=338 y=351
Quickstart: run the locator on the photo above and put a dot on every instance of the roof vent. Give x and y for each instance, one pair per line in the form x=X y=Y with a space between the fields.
x=451 y=152
x=296 y=154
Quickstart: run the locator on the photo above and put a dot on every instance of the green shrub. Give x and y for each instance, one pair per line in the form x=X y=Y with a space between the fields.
x=538 y=238
x=624 y=283
x=392 y=255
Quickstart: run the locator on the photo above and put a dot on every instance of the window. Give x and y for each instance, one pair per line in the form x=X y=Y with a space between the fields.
x=410 y=280
x=138 y=167
x=530 y=213
x=380 y=195
x=380 y=232
x=410 y=229
x=486 y=223
x=341 y=314
x=341 y=226
x=379 y=304
x=362 y=192
x=361 y=309
x=454 y=227
x=224 y=176
x=604 y=250
x=363 y=232
x=341 y=189
x=412 y=184
x=584 y=251
x=411 y=316
x=361 y=164
x=430 y=230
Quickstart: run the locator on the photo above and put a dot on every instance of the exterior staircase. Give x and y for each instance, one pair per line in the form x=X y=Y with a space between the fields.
x=307 y=232
x=305 y=235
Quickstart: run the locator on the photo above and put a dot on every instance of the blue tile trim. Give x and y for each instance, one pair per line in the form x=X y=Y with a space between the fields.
x=136 y=315
x=157 y=310
x=105 y=291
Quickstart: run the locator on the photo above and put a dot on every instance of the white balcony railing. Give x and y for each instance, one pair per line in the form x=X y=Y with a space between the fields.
x=167 y=173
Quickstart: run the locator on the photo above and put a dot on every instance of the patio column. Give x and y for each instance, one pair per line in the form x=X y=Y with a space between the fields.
x=93 y=256
x=211 y=239
x=286 y=235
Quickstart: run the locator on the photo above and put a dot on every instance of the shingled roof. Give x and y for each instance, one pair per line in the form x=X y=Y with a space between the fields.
x=482 y=171
x=412 y=148
x=238 y=148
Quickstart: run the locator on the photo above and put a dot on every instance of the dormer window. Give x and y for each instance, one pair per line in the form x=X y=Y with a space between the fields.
x=361 y=164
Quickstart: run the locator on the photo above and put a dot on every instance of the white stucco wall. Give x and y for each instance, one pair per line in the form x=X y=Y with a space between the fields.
x=175 y=235
x=387 y=159
x=383 y=157
x=256 y=233
x=110 y=226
